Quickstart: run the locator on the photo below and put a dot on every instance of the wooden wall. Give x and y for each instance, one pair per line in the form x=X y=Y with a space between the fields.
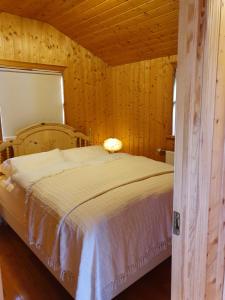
x=117 y=31
x=85 y=77
x=142 y=105
x=132 y=101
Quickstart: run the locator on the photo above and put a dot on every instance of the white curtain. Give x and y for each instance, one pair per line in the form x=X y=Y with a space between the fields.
x=28 y=97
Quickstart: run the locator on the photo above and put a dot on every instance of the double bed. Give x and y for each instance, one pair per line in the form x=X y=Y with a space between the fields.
x=98 y=221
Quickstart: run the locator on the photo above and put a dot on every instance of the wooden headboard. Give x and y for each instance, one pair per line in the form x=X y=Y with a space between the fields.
x=42 y=137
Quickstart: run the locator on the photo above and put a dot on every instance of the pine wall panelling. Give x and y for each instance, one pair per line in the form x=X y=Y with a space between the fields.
x=132 y=101
x=142 y=105
x=117 y=31
x=85 y=76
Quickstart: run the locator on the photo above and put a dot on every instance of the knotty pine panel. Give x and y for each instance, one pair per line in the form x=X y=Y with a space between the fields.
x=117 y=31
x=85 y=75
x=132 y=102
x=142 y=105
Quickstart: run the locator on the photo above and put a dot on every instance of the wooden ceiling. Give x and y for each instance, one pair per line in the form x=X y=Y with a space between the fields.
x=118 y=31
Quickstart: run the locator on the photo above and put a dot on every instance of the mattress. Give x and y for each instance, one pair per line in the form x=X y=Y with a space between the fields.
x=115 y=242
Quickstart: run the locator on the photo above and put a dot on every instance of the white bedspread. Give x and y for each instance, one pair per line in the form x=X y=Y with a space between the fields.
x=100 y=222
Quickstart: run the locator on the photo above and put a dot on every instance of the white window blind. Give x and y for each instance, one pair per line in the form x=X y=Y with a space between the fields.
x=28 y=97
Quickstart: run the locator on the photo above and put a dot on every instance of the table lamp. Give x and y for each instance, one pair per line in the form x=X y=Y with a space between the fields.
x=112 y=145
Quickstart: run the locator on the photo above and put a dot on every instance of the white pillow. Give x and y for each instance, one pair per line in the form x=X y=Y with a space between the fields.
x=84 y=153
x=36 y=161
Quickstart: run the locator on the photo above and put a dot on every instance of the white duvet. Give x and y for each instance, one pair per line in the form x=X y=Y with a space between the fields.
x=99 y=222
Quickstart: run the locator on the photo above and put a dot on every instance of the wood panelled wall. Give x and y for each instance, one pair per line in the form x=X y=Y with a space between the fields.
x=142 y=105
x=85 y=76
x=132 y=102
x=118 y=31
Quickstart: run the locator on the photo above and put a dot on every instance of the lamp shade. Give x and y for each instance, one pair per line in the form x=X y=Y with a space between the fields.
x=112 y=144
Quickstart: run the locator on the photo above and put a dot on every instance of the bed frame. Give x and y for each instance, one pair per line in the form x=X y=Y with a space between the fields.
x=33 y=139
x=42 y=137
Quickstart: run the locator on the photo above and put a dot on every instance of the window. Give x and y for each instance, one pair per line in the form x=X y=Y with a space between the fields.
x=174 y=105
x=29 y=97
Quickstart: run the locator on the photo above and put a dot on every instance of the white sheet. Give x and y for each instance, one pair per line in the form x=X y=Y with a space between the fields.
x=84 y=153
x=108 y=219
x=26 y=178
x=33 y=162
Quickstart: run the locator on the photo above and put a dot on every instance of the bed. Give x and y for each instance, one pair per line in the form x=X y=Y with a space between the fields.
x=97 y=221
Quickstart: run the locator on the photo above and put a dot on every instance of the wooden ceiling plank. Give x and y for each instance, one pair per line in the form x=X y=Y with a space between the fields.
x=55 y=8
x=152 y=29
x=22 y=8
x=129 y=47
x=150 y=24
x=76 y=14
x=156 y=47
x=115 y=30
x=96 y=11
x=127 y=59
x=126 y=19
x=136 y=56
x=135 y=43
x=112 y=13
x=163 y=35
x=122 y=32
x=33 y=7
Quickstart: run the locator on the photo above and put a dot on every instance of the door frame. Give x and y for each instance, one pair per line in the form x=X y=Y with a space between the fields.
x=199 y=190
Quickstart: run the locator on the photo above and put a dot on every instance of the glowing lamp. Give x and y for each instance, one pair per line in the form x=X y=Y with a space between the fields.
x=112 y=145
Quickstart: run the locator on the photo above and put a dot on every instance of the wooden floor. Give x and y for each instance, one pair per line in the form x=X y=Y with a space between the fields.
x=25 y=277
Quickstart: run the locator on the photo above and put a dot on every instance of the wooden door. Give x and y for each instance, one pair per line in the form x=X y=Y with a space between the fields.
x=1 y=287
x=199 y=196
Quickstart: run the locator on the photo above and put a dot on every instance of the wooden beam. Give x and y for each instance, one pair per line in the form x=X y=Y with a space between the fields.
x=198 y=252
